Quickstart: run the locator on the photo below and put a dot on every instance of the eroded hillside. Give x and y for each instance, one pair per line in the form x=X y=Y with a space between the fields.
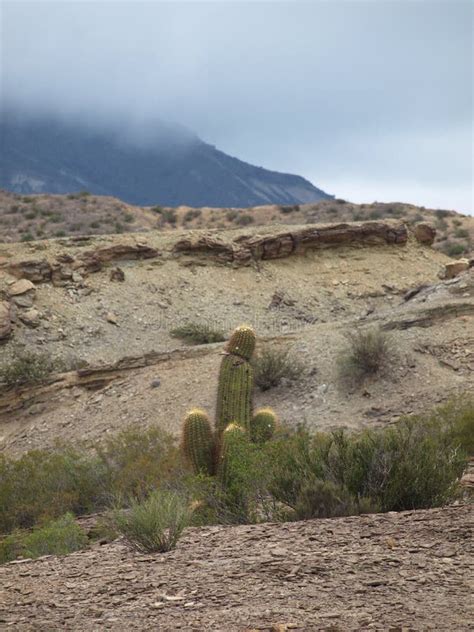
x=42 y=216
x=108 y=304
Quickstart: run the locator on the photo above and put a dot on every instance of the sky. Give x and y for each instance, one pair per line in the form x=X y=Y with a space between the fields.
x=370 y=100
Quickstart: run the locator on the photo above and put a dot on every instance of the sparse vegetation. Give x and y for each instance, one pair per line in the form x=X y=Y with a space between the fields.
x=154 y=524
x=274 y=365
x=244 y=219
x=366 y=354
x=58 y=537
x=415 y=463
x=197 y=334
x=26 y=367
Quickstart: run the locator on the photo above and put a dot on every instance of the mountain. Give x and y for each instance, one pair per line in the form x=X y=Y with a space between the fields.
x=169 y=166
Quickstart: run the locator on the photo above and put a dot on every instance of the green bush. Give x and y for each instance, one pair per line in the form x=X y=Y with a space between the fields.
x=26 y=367
x=137 y=461
x=414 y=464
x=155 y=524
x=197 y=334
x=43 y=484
x=58 y=537
x=367 y=354
x=271 y=365
x=454 y=250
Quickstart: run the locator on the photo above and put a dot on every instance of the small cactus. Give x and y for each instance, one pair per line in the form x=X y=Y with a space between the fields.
x=198 y=441
x=242 y=342
x=263 y=425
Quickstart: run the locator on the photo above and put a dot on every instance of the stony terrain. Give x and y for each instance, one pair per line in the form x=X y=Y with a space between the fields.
x=42 y=216
x=398 y=571
x=108 y=305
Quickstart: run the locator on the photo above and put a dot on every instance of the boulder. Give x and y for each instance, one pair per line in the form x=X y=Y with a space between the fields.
x=454 y=268
x=424 y=233
x=21 y=287
x=5 y=320
x=30 y=317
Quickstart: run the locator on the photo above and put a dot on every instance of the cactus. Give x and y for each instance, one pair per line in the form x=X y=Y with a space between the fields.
x=215 y=453
x=232 y=438
x=263 y=425
x=242 y=342
x=234 y=395
x=198 y=441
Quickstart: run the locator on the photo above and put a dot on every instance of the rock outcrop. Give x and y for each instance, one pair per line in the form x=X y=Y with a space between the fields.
x=247 y=248
x=5 y=320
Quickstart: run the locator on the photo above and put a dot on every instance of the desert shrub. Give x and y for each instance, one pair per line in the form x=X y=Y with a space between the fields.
x=232 y=215
x=244 y=219
x=376 y=214
x=157 y=209
x=366 y=354
x=441 y=214
x=192 y=214
x=286 y=210
x=154 y=524
x=128 y=218
x=42 y=485
x=26 y=367
x=457 y=416
x=461 y=233
x=454 y=250
x=414 y=464
x=118 y=227
x=27 y=237
x=58 y=537
x=271 y=365
x=197 y=334
x=137 y=461
x=168 y=216
x=60 y=233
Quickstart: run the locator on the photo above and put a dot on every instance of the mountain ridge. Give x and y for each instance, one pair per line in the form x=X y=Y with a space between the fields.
x=178 y=168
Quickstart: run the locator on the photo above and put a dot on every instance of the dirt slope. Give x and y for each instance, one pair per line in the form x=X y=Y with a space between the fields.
x=24 y=218
x=405 y=571
x=309 y=298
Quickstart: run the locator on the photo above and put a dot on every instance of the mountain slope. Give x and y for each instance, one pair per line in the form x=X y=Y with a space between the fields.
x=173 y=167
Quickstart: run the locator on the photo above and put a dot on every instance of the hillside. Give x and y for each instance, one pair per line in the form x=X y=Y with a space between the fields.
x=109 y=304
x=397 y=571
x=30 y=217
x=168 y=166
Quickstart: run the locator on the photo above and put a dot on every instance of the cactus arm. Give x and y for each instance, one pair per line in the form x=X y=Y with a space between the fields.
x=198 y=442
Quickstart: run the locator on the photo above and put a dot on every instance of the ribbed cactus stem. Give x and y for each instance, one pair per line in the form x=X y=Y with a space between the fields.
x=263 y=425
x=242 y=342
x=198 y=442
x=230 y=443
x=234 y=394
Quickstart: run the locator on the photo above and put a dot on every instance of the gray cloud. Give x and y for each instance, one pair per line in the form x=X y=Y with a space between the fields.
x=370 y=100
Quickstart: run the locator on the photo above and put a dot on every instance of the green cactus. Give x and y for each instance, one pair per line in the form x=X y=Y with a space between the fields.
x=232 y=438
x=242 y=342
x=263 y=425
x=234 y=395
x=198 y=441
x=221 y=452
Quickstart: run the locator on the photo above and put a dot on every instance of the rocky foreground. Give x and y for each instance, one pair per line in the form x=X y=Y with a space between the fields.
x=396 y=571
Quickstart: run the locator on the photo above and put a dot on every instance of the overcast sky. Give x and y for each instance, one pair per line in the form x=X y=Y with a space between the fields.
x=369 y=100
